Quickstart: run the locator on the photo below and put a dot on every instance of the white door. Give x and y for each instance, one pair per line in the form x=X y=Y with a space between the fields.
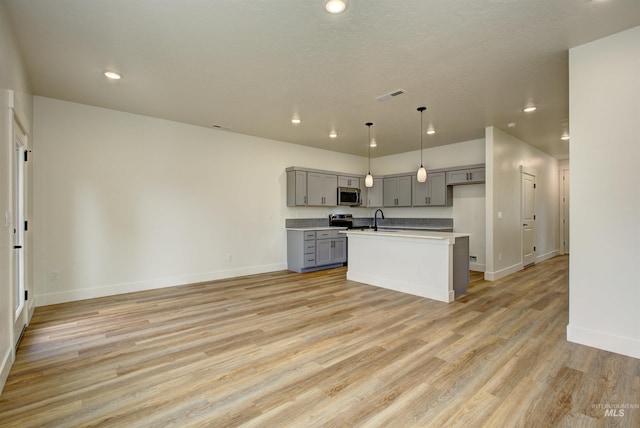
x=528 y=219
x=18 y=191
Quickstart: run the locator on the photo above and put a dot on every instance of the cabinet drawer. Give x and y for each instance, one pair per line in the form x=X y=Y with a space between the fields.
x=310 y=247
x=328 y=234
x=309 y=235
x=309 y=260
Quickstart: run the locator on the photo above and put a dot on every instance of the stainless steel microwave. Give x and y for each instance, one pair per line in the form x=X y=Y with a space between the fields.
x=349 y=196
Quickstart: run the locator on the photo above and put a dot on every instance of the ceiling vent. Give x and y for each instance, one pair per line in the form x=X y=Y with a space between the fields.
x=390 y=95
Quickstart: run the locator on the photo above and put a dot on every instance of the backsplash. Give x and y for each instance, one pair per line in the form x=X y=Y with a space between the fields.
x=368 y=221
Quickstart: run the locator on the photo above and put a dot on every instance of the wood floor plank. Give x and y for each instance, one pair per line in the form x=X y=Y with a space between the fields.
x=286 y=349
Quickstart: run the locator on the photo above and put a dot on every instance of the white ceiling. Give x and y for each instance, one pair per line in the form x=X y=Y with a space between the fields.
x=251 y=65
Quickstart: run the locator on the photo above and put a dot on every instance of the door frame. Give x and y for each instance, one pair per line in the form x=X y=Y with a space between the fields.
x=19 y=143
x=565 y=206
x=531 y=173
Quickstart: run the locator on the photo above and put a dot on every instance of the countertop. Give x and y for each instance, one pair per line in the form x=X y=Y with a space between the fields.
x=421 y=234
x=317 y=228
x=425 y=228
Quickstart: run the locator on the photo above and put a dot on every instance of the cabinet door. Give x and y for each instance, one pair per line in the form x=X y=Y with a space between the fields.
x=330 y=190
x=477 y=175
x=437 y=189
x=324 y=251
x=321 y=189
x=339 y=250
x=301 y=188
x=389 y=192
x=347 y=181
x=314 y=189
x=457 y=177
x=296 y=188
x=374 y=194
x=420 y=192
x=404 y=191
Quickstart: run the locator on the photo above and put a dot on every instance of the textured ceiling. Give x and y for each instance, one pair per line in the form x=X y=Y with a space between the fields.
x=251 y=65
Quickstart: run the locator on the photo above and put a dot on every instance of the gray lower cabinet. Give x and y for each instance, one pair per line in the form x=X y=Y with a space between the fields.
x=310 y=250
x=432 y=193
x=466 y=176
x=397 y=191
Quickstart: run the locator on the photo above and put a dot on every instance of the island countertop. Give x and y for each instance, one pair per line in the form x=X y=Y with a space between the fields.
x=406 y=233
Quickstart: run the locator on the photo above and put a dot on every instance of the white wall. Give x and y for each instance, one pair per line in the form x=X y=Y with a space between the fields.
x=125 y=202
x=604 y=294
x=506 y=155
x=12 y=78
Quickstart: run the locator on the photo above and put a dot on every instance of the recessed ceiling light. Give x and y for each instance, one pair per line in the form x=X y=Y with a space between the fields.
x=565 y=137
x=529 y=109
x=295 y=120
x=511 y=125
x=335 y=6
x=113 y=75
x=373 y=143
x=333 y=135
x=431 y=131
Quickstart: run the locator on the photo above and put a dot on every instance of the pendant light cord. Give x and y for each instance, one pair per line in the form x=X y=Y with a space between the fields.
x=421 y=109
x=369 y=144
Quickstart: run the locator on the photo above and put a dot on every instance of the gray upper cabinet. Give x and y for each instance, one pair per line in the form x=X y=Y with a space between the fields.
x=466 y=176
x=318 y=188
x=432 y=193
x=397 y=191
x=374 y=194
x=296 y=188
x=321 y=189
x=349 y=181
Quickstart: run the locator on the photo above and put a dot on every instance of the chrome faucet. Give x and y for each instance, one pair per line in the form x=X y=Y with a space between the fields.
x=375 y=219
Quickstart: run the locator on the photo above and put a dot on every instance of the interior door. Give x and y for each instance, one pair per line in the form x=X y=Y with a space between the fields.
x=18 y=191
x=528 y=219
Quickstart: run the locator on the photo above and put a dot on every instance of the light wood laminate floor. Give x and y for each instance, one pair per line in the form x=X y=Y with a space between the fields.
x=287 y=349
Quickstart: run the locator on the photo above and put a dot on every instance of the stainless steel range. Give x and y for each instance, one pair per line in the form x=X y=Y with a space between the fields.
x=341 y=220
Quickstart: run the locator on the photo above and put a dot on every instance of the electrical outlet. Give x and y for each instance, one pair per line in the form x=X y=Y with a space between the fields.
x=499 y=256
x=229 y=257
x=473 y=258
x=55 y=275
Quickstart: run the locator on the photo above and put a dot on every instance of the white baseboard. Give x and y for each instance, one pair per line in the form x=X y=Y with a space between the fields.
x=494 y=276
x=546 y=256
x=605 y=341
x=478 y=267
x=5 y=368
x=130 y=287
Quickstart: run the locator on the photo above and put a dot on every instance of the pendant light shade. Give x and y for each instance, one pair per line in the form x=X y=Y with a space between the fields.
x=421 y=176
x=368 y=180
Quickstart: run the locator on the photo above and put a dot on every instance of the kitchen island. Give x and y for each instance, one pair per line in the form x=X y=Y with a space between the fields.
x=424 y=263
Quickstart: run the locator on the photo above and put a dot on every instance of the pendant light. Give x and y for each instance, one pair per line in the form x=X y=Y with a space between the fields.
x=422 y=172
x=368 y=180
